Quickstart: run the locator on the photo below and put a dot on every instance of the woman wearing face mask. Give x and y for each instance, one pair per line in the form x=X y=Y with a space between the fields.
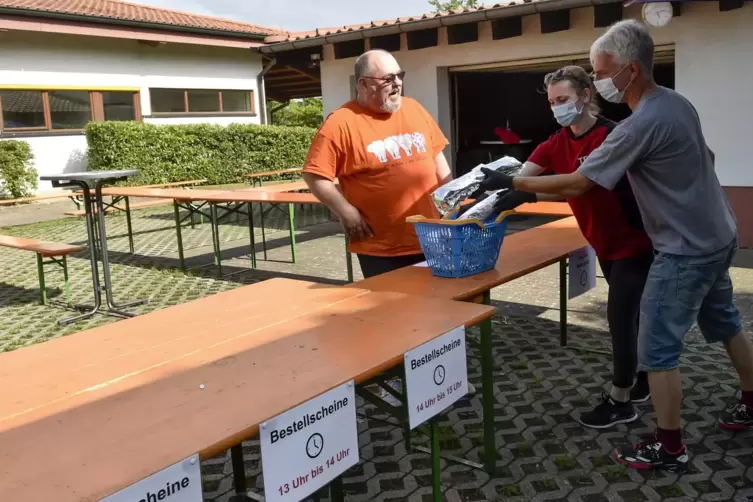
x=612 y=225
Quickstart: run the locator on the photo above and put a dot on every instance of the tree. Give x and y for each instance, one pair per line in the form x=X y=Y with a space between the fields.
x=300 y=112
x=453 y=5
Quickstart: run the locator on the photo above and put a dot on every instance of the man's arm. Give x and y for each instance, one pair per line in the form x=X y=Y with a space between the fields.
x=444 y=174
x=560 y=186
x=604 y=167
x=326 y=191
x=532 y=169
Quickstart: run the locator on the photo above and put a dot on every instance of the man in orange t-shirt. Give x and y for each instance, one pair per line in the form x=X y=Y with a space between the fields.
x=386 y=152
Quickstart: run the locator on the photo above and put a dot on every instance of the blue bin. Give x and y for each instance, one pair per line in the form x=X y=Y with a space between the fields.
x=459 y=248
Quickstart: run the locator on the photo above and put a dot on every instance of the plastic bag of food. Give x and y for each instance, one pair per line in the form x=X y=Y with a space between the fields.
x=484 y=208
x=448 y=197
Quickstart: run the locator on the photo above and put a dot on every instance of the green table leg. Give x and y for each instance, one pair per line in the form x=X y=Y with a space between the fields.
x=406 y=423
x=487 y=388
x=348 y=259
x=42 y=288
x=263 y=235
x=251 y=235
x=435 y=461
x=216 y=238
x=563 y=303
x=336 y=492
x=67 y=282
x=176 y=210
x=128 y=223
x=291 y=223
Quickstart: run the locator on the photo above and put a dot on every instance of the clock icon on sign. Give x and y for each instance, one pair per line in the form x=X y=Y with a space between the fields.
x=439 y=374
x=314 y=445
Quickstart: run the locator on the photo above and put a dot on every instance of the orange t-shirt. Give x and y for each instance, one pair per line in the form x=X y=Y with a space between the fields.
x=385 y=167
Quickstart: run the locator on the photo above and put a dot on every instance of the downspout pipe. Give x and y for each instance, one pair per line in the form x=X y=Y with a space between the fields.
x=262 y=93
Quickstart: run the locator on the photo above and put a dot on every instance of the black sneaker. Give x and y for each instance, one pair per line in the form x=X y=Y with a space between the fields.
x=640 y=393
x=736 y=418
x=651 y=454
x=608 y=413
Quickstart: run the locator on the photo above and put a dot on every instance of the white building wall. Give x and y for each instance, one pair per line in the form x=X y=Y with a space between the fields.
x=713 y=65
x=65 y=60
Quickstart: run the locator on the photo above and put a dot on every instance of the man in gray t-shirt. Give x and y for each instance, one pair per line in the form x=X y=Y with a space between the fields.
x=662 y=150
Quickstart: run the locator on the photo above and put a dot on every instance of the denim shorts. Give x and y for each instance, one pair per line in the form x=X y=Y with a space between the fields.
x=679 y=291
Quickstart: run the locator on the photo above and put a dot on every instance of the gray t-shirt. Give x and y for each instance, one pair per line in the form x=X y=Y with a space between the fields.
x=662 y=149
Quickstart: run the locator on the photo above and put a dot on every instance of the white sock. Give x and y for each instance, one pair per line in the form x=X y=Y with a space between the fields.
x=619 y=394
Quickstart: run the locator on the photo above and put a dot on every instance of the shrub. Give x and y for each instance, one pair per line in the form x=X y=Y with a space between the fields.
x=169 y=153
x=19 y=178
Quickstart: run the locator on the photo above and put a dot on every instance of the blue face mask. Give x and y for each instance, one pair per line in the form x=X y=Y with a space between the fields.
x=567 y=113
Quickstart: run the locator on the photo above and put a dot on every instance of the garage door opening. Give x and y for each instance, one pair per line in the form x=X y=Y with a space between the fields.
x=513 y=98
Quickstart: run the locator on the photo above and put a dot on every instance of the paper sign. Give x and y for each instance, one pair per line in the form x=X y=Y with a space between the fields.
x=436 y=375
x=180 y=482
x=582 y=271
x=305 y=448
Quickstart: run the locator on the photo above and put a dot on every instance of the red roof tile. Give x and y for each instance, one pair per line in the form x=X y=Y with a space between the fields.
x=124 y=11
x=321 y=32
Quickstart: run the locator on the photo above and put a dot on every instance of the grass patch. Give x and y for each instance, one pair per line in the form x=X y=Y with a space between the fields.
x=519 y=365
x=616 y=473
x=565 y=462
x=511 y=491
x=601 y=461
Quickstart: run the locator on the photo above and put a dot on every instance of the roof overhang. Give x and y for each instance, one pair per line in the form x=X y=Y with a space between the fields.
x=70 y=27
x=427 y=22
x=112 y=21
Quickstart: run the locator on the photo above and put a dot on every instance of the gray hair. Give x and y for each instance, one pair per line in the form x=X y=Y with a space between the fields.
x=362 y=62
x=627 y=41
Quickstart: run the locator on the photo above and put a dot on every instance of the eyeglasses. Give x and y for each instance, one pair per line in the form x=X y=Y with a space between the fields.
x=390 y=78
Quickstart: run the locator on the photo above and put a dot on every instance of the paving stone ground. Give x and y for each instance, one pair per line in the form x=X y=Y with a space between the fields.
x=540 y=388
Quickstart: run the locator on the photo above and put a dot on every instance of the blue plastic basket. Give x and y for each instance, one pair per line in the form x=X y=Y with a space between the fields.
x=459 y=248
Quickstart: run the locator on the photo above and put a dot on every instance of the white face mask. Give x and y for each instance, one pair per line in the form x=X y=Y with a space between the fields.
x=609 y=91
x=566 y=113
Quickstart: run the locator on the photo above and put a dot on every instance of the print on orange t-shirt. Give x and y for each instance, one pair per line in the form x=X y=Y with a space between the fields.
x=385 y=167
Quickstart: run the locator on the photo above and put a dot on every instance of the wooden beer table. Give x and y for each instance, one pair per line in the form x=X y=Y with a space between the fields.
x=522 y=253
x=84 y=416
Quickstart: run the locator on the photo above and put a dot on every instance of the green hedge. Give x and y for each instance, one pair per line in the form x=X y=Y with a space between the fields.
x=19 y=178
x=169 y=153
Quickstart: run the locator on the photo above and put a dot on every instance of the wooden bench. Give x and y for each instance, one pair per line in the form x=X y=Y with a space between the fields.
x=116 y=198
x=111 y=208
x=44 y=250
x=192 y=378
x=258 y=177
x=22 y=200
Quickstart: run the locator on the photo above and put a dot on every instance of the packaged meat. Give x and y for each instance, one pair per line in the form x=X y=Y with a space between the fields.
x=448 y=197
x=484 y=208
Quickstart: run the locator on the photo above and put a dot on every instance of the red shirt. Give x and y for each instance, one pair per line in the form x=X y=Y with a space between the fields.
x=609 y=220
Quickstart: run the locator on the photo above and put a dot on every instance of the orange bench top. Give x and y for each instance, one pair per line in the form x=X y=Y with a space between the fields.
x=146 y=192
x=45 y=248
x=545 y=209
x=254 y=196
x=216 y=195
x=278 y=187
x=273 y=173
x=522 y=253
x=21 y=200
x=138 y=205
x=86 y=415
